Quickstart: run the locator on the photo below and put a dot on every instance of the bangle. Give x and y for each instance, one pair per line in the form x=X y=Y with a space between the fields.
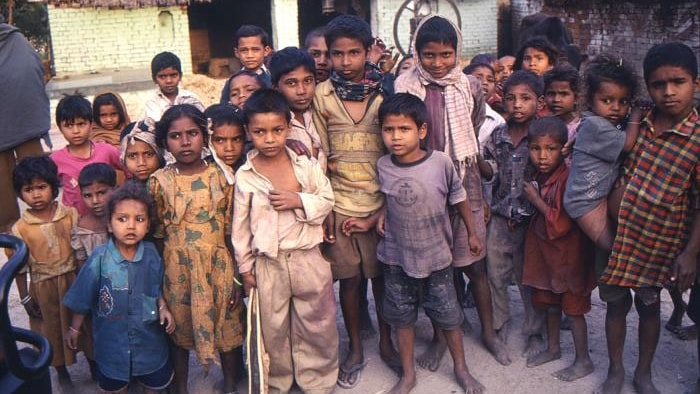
x=160 y=308
x=633 y=123
x=25 y=300
x=73 y=329
x=237 y=282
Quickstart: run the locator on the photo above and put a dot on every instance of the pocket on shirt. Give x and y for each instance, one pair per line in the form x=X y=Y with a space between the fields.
x=149 y=309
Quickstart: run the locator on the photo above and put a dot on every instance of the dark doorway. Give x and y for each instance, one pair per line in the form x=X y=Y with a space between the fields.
x=311 y=15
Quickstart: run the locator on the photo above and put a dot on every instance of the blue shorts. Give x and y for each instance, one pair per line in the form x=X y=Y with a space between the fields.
x=157 y=380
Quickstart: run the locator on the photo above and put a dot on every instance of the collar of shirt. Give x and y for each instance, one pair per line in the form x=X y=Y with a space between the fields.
x=685 y=127
x=248 y=165
x=308 y=122
x=117 y=255
x=261 y=70
x=500 y=135
x=60 y=213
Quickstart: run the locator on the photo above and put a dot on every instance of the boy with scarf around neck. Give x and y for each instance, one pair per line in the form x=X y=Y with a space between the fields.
x=346 y=118
x=455 y=105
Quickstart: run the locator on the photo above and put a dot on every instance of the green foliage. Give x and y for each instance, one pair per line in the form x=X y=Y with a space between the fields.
x=31 y=18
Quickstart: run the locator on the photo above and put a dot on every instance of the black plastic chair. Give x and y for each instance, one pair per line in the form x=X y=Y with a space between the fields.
x=21 y=370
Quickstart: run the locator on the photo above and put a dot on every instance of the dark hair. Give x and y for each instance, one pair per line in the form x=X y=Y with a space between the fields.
x=562 y=72
x=251 y=31
x=317 y=32
x=33 y=168
x=483 y=58
x=225 y=114
x=174 y=113
x=348 y=26
x=607 y=68
x=404 y=104
x=540 y=43
x=288 y=59
x=97 y=173
x=164 y=60
x=436 y=29
x=72 y=107
x=131 y=190
x=265 y=101
x=550 y=126
x=473 y=66
x=107 y=99
x=524 y=77
x=670 y=54
x=226 y=91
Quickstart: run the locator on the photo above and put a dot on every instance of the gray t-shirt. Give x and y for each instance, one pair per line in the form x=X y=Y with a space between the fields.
x=417 y=229
x=595 y=164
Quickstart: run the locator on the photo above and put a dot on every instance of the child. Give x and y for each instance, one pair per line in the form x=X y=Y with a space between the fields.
x=193 y=206
x=507 y=151
x=345 y=115
x=252 y=46
x=96 y=182
x=74 y=120
x=240 y=86
x=292 y=72
x=109 y=113
x=486 y=75
x=507 y=62
x=139 y=153
x=407 y=63
x=561 y=96
x=661 y=195
x=557 y=263
x=120 y=288
x=454 y=103
x=46 y=227
x=537 y=55
x=315 y=45
x=600 y=142
x=166 y=71
x=417 y=235
x=226 y=138
x=281 y=200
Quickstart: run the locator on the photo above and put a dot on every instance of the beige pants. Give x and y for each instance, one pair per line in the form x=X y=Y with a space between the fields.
x=298 y=310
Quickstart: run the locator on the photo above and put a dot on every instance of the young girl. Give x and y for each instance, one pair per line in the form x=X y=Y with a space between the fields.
x=226 y=138
x=194 y=211
x=600 y=142
x=139 y=153
x=46 y=227
x=109 y=113
x=240 y=86
x=537 y=55
x=120 y=286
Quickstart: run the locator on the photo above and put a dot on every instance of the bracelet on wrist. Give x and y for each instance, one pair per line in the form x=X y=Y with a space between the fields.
x=237 y=282
x=74 y=329
x=160 y=308
x=25 y=300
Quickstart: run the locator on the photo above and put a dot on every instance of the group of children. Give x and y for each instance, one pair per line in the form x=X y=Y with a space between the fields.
x=319 y=167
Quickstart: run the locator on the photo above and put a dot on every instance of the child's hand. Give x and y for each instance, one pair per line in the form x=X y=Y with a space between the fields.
x=530 y=192
x=566 y=149
x=380 y=223
x=235 y=297
x=684 y=271
x=512 y=224
x=356 y=225
x=284 y=200
x=248 y=281
x=329 y=228
x=166 y=319
x=474 y=244
x=33 y=309
x=71 y=339
x=487 y=212
x=298 y=147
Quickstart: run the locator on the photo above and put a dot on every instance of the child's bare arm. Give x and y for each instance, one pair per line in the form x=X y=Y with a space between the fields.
x=685 y=267
x=465 y=211
x=73 y=332
x=632 y=128
x=166 y=318
x=485 y=168
x=30 y=304
x=360 y=225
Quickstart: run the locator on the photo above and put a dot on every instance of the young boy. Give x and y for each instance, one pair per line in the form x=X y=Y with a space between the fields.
x=417 y=236
x=486 y=76
x=345 y=115
x=507 y=152
x=252 y=46
x=281 y=200
x=293 y=74
x=661 y=193
x=315 y=44
x=455 y=111
x=561 y=96
x=166 y=71
x=557 y=259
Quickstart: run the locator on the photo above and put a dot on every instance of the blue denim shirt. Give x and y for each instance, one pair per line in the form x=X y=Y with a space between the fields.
x=122 y=297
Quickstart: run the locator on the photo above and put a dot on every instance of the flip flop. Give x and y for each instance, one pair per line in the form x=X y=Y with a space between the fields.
x=355 y=368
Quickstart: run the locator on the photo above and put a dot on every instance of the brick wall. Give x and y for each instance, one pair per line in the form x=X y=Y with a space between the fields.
x=89 y=39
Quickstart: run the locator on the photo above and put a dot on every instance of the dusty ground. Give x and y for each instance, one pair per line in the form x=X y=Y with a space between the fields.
x=675 y=367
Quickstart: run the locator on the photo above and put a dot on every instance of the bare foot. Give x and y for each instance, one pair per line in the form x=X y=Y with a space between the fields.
x=575 y=371
x=534 y=346
x=497 y=349
x=467 y=326
x=502 y=333
x=404 y=385
x=468 y=383
x=643 y=384
x=432 y=356
x=688 y=333
x=543 y=357
x=613 y=383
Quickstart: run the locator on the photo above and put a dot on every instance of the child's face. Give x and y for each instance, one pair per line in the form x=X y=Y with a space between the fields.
x=241 y=88
x=507 y=62
x=297 y=86
x=560 y=99
x=251 y=52
x=521 y=103
x=227 y=141
x=545 y=153
x=536 y=61
x=141 y=160
x=487 y=79
x=437 y=58
x=109 y=117
x=348 y=57
x=268 y=133
x=185 y=141
x=76 y=132
x=402 y=137
x=167 y=80
x=319 y=52
x=611 y=101
x=671 y=89
x=95 y=197
x=406 y=65
x=128 y=223
x=37 y=194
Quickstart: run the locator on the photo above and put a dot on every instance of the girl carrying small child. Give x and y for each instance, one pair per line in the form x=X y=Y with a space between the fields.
x=109 y=113
x=194 y=212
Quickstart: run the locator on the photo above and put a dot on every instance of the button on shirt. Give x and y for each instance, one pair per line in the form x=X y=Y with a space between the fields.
x=122 y=298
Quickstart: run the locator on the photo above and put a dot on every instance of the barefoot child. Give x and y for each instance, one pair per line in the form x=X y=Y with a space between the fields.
x=557 y=263
x=281 y=200
x=139 y=153
x=417 y=236
x=658 y=233
x=193 y=206
x=110 y=117
x=120 y=288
